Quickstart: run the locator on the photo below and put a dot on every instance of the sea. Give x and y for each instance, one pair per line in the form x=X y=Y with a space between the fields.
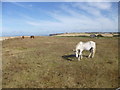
x=15 y=35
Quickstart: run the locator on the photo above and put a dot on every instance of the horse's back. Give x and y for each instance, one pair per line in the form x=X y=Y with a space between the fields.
x=86 y=45
x=93 y=44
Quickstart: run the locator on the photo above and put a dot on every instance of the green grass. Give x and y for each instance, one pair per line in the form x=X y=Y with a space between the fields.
x=49 y=62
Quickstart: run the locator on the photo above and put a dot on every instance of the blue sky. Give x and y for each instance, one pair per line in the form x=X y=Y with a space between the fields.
x=43 y=18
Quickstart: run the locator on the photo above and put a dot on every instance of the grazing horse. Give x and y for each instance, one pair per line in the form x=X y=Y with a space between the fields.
x=32 y=37
x=23 y=37
x=89 y=46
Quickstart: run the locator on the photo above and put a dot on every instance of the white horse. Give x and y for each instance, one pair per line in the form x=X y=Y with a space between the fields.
x=89 y=46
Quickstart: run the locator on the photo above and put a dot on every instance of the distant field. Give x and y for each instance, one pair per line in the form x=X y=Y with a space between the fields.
x=49 y=62
x=85 y=34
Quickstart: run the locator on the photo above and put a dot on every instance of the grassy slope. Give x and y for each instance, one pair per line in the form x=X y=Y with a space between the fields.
x=48 y=62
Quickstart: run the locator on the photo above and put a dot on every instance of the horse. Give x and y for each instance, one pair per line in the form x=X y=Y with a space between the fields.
x=89 y=46
x=32 y=37
x=23 y=37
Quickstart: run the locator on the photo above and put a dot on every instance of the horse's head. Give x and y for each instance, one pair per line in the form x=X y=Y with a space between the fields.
x=77 y=52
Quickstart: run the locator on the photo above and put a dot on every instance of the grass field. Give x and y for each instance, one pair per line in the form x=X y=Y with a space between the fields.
x=49 y=62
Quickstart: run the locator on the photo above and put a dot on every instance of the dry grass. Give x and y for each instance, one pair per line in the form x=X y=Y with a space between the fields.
x=48 y=62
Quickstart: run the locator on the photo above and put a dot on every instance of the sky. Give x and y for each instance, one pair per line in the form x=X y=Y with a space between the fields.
x=44 y=18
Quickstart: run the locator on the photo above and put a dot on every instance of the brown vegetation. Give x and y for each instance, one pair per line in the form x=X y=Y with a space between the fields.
x=49 y=62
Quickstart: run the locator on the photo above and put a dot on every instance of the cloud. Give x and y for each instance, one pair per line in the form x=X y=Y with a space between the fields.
x=76 y=24
x=66 y=17
x=75 y=17
x=87 y=8
x=18 y=4
x=26 y=17
x=25 y=6
x=101 y=5
x=74 y=20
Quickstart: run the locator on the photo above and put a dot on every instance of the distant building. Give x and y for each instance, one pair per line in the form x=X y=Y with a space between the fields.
x=92 y=35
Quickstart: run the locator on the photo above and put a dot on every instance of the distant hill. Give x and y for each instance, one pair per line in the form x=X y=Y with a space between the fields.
x=105 y=34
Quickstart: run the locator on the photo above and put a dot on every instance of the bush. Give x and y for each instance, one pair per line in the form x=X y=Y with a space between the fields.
x=99 y=35
x=116 y=35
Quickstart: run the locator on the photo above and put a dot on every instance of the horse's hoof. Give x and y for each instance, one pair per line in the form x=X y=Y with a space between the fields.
x=79 y=59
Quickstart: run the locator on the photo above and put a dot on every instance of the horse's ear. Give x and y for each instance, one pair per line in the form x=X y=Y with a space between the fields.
x=73 y=50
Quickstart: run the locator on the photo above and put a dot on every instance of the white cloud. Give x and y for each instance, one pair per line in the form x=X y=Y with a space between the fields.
x=78 y=21
x=29 y=6
x=18 y=4
x=101 y=5
x=77 y=24
x=87 y=8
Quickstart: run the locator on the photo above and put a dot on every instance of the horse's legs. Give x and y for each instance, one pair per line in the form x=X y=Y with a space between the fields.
x=93 y=53
x=79 y=58
x=80 y=55
x=90 y=55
